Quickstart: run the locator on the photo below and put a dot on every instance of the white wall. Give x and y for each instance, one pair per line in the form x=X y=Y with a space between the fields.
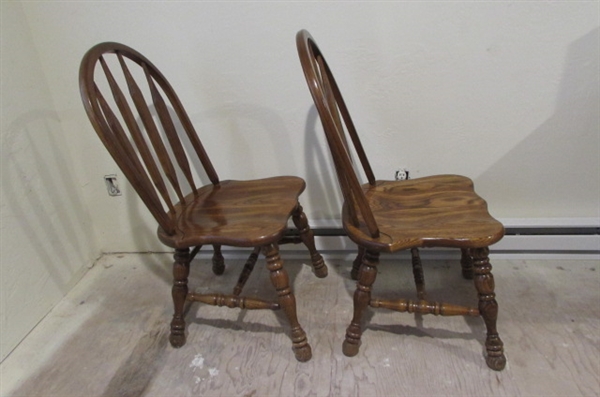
x=46 y=236
x=504 y=92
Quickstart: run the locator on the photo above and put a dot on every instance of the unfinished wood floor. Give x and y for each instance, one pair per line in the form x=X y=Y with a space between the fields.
x=108 y=337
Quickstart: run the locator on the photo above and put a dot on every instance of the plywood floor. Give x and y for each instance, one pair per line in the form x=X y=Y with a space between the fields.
x=108 y=337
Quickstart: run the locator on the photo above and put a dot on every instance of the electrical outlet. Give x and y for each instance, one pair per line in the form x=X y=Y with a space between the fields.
x=401 y=174
x=111 y=185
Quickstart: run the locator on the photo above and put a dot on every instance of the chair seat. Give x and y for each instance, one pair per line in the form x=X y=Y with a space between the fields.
x=236 y=213
x=441 y=211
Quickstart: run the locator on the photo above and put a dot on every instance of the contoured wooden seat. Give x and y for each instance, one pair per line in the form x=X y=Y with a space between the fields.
x=388 y=216
x=142 y=123
x=434 y=211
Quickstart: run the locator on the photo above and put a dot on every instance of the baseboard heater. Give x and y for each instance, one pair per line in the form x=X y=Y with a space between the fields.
x=509 y=231
x=552 y=237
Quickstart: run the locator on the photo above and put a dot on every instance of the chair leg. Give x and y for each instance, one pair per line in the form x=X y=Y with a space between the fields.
x=287 y=301
x=308 y=238
x=418 y=273
x=466 y=263
x=181 y=271
x=362 y=296
x=218 y=262
x=356 y=264
x=488 y=307
x=246 y=271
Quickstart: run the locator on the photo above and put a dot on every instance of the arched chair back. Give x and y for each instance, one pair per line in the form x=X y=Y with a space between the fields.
x=337 y=123
x=133 y=108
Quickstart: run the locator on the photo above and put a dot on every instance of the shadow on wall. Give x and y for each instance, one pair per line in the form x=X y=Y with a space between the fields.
x=325 y=196
x=558 y=163
x=43 y=198
x=241 y=122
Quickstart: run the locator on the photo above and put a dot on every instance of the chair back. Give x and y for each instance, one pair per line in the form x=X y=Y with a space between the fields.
x=330 y=106
x=133 y=123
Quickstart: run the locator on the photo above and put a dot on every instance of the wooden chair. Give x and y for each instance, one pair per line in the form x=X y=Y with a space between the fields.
x=150 y=139
x=388 y=216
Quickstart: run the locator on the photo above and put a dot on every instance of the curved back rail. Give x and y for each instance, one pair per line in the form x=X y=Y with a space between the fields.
x=330 y=105
x=129 y=102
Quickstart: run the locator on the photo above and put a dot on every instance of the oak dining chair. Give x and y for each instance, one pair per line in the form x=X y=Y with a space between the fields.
x=388 y=216
x=143 y=125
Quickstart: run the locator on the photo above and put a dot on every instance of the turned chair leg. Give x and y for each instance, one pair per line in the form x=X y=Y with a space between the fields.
x=181 y=271
x=356 y=264
x=362 y=297
x=246 y=271
x=308 y=238
x=218 y=262
x=466 y=263
x=418 y=273
x=287 y=301
x=488 y=307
